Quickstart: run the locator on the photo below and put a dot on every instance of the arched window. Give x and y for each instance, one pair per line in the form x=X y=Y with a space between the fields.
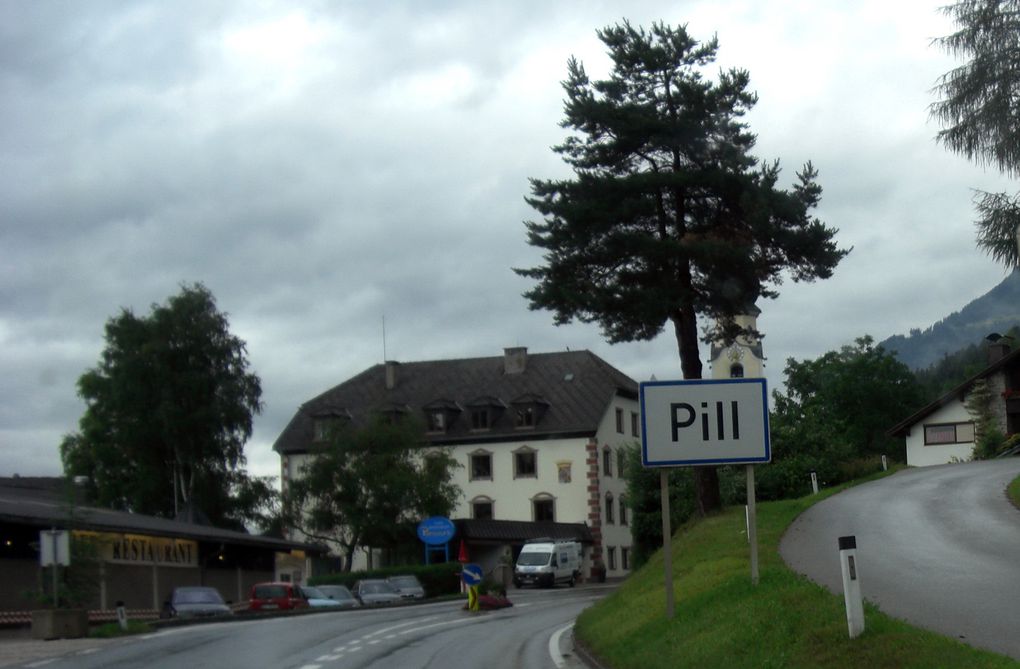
x=543 y=507
x=737 y=371
x=481 y=508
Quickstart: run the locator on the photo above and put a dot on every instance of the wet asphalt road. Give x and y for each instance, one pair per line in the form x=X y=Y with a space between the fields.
x=936 y=546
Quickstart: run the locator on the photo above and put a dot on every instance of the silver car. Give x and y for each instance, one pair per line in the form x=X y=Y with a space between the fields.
x=195 y=602
x=376 y=592
x=341 y=595
x=408 y=586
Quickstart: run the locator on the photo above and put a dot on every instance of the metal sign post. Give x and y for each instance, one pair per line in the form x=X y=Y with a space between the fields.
x=54 y=551
x=667 y=544
x=704 y=422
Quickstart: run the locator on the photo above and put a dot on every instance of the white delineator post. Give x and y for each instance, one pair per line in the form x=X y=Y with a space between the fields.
x=885 y=464
x=851 y=585
x=814 y=481
x=752 y=524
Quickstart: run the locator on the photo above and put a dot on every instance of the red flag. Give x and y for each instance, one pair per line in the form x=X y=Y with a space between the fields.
x=462 y=556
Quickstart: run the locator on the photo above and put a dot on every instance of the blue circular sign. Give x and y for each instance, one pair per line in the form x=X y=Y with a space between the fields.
x=436 y=530
x=471 y=574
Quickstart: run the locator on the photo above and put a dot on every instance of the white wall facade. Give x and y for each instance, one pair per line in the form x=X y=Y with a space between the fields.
x=921 y=455
x=512 y=496
x=617 y=553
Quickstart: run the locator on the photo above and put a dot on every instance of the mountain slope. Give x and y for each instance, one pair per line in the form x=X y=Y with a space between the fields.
x=996 y=311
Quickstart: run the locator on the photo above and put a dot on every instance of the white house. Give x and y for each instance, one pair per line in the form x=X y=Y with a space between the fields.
x=943 y=431
x=541 y=438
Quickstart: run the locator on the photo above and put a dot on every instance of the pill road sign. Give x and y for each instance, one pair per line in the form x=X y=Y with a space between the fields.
x=704 y=422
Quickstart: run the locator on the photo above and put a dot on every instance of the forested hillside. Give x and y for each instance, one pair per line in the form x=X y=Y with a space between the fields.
x=998 y=310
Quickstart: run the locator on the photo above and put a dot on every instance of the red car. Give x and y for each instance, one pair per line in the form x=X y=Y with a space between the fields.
x=276 y=596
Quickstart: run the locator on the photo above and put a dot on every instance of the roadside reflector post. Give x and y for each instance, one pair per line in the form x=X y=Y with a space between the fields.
x=752 y=524
x=885 y=464
x=851 y=585
x=122 y=616
x=814 y=482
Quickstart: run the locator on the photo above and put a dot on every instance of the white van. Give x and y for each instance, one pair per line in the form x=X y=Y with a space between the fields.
x=544 y=562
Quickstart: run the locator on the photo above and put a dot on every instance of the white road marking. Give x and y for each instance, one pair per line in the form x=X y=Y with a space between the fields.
x=554 y=646
x=442 y=624
x=394 y=627
x=42 y=663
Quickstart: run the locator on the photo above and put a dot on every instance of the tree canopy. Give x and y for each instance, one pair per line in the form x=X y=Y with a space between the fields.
x=668 y=216
x=979 y=109
x=368 y=487
x=169 y=408
x=845 y=401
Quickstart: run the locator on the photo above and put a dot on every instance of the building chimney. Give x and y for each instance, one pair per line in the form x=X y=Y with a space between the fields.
x=998 y=348
x=391 y=374
x=515 y=360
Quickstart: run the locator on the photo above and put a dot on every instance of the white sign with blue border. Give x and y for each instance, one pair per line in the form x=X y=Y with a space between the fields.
x=704 y=422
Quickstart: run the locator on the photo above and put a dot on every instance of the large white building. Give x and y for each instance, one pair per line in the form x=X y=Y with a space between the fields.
x=541 y=438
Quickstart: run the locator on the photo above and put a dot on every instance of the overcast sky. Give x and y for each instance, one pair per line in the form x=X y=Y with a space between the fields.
x=321 y=166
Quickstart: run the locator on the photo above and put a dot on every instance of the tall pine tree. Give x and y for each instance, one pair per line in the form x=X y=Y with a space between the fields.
x=979 y=108
x=668 y=215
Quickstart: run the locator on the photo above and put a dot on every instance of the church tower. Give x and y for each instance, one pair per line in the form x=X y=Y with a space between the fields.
x=743 y=358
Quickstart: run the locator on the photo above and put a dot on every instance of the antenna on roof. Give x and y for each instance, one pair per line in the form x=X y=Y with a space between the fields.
x=384 y=338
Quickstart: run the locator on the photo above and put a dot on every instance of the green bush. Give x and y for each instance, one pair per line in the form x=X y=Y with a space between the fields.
x=989 y=444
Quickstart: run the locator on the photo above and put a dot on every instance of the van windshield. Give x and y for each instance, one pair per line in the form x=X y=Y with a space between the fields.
x=533 y=559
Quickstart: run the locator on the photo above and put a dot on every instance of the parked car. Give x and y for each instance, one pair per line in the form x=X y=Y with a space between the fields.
x=341 y=594
x=375 y=592
x=194 y=602
x=317 y=599
x=276 y=596
x=408 y=586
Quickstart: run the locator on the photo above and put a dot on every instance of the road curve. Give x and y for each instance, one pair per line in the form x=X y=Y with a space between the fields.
x=938 y=547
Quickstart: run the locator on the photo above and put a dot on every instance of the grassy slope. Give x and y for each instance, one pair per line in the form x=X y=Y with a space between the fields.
x=722 y=620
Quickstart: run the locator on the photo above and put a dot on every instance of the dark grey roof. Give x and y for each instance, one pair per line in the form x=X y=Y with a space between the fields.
x=518 y=531
x=41 y=503
x=573 y=390
x=1009 y=361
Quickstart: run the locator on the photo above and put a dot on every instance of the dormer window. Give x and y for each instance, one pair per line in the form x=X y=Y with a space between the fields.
x=439 y=415
x=480 y=419
x=394 y=413
x=485 y=411
x=325 y=424
x=528 y=410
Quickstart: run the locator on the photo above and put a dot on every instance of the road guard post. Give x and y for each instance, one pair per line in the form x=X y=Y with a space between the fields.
x=851 y=585
x=704 y=422
x=471 y=574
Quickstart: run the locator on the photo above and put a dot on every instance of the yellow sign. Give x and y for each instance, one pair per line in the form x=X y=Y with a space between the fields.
x=141 y=549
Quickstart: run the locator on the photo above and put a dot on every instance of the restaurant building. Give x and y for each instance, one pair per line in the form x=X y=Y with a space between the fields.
x=128 y=557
